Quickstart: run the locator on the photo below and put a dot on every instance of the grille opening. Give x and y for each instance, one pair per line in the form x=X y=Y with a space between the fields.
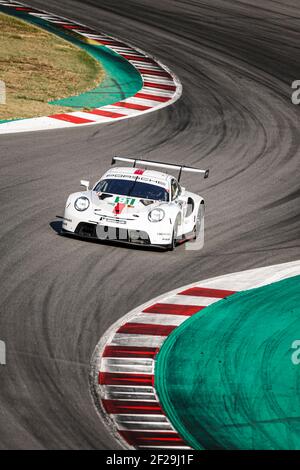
x=86 y=230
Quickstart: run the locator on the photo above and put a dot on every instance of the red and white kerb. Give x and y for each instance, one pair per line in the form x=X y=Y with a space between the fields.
x=123 y=369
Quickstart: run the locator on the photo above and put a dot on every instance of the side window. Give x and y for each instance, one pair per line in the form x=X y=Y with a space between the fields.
x=174 y=189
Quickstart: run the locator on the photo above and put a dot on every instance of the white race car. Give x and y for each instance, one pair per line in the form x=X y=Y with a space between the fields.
x=137 y=205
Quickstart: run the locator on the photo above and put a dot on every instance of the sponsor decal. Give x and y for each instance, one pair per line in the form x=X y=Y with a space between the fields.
x=113 y=220
x=145 y=179
x=119 y=208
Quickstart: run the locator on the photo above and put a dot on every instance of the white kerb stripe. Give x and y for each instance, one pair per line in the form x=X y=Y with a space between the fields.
x=95 y=36
x=90 y=116
x=190 y=300
x=160 y=319
x=146 y=427
x=140 y=63
x=125 y=50
x=121 y=110
x=158 y=91
x=150 y=67
x=158 y=80
x=124 y=339
x=142 y=101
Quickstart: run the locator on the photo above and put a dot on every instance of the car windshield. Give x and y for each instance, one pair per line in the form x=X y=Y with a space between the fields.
x=132 y=188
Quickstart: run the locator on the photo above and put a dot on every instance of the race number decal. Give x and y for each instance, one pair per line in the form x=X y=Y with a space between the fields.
x=128 y=201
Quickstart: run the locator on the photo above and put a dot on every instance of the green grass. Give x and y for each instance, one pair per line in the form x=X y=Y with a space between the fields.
x=37 y=67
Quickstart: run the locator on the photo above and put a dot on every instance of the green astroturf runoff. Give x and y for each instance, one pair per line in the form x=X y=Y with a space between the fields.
x=121 y=81
x=229 y=377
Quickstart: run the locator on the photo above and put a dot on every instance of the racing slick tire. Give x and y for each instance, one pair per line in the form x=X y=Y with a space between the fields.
x=172 y=245
x=199 y=221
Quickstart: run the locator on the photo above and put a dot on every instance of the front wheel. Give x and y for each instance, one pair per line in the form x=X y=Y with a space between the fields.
x=199 y=221
x=172 y=246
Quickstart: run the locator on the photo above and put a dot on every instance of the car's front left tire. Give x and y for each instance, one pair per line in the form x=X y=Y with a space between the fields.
x=173 y=244
x=199 y=221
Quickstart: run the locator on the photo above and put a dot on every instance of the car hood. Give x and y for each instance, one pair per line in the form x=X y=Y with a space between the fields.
x=122 y=206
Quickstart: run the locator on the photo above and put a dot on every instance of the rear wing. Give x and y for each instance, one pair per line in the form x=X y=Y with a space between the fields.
x=170 y=166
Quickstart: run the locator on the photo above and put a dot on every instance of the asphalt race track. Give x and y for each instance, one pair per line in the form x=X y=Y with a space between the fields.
x=236 y=61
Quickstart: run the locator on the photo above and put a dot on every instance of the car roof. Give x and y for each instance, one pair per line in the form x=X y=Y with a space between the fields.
x=143 y=175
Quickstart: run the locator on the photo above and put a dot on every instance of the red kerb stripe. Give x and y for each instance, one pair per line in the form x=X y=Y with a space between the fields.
x=152 y=438
x=145 y=329
x=159 y=73
x=106 y=113
x=207 y=292
x=86 y=30
x=109 y=378
x=111 y=42
x=174 y=309
x=130 y=351
x=147 y=96
x=70 y=118
x=139 y=107
x=132 y=407
x=162 y=86
x=139 y=58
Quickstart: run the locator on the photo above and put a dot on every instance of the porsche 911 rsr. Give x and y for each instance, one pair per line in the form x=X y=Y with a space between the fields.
x=137 y=205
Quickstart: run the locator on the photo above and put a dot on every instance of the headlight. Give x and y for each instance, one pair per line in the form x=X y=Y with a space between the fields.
x=82 y=203
x=156 y=215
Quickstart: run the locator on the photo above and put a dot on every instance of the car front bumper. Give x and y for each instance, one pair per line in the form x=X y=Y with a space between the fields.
x=140 y=232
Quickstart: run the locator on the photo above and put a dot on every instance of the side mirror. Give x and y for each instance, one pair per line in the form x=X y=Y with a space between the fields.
x=182 y=192
x=85 y=183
